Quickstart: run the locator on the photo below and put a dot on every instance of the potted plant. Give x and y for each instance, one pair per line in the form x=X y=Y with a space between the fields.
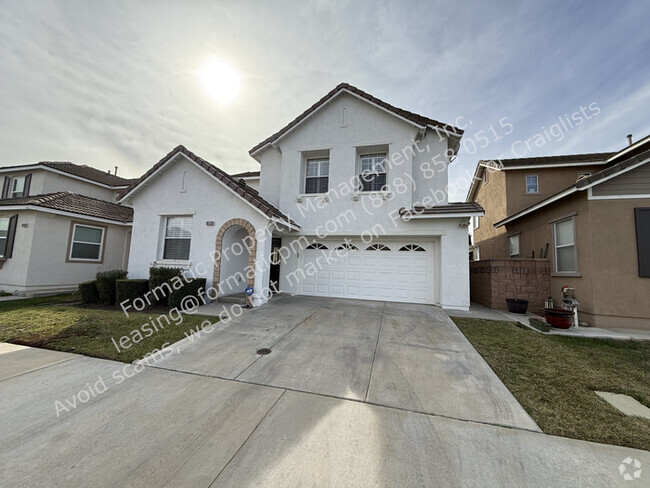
x=516 y=305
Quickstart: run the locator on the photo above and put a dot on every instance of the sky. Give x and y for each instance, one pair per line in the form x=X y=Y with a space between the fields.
x=118 y=83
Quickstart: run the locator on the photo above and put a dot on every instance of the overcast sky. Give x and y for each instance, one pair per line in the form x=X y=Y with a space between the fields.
x=110 y=83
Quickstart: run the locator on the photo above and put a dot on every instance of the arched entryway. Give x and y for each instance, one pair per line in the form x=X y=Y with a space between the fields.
x=234 y=266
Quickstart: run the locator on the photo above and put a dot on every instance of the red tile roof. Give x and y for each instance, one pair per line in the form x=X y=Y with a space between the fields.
x=75 y=203
x=244 y=191
x=420 y=120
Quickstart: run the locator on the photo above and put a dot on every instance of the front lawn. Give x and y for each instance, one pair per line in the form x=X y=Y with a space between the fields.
x=554 y=379
x=53 y=323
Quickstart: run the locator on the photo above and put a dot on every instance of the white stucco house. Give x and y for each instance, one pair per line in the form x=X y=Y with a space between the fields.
x=59 y=225
x=350 y=201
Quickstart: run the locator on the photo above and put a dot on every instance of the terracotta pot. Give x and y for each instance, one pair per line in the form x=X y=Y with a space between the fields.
x=558 y=317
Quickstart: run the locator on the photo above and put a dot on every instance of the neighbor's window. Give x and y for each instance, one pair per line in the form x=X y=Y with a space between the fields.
x=317 y=175
x=476 y=221
x=565 y=248
x=178 y=235
x=87 y=243
x=372 y=172
x=17 y=187
x=513 y=242
x=532 y=184
x=477 y=253
x=485 y=176
x=4 y=233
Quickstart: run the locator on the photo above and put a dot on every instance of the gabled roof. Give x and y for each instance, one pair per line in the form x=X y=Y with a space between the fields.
x=75 y=203
x=416 y=119
x=81 y=171
x=244 y=191
x=562 y=161
x=628 y=158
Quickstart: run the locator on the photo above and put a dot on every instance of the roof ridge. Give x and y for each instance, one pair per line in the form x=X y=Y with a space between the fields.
x=408 y=115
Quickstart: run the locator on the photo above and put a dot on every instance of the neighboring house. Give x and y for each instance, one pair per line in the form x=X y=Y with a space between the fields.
x=59 y=225
x=351 y=201
x=595 y=229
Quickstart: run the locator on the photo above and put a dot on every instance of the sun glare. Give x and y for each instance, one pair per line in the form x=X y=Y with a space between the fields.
x=220 y=80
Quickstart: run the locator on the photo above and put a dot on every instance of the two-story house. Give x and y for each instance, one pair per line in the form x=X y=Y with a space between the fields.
x=59 y=225
x=351 y=201
x=587 y=214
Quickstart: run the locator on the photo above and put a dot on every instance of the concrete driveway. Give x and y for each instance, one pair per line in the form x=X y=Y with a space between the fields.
x=352 y=394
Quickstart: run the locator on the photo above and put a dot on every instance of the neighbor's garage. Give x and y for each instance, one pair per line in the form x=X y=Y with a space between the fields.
x=401 y=271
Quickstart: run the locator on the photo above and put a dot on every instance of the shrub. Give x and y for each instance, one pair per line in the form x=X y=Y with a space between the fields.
x=190 y=288
x=159 y=276
x=106 y=284
x=88 y=292
x=130 y=290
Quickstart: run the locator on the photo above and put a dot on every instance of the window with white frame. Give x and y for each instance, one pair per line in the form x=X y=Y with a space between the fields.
x=565 y=247
x=513 y=243
x=87 y=243
x=532 y=184
x=317 y=171
x=476 y=221
x=372 y=172
x=477 y=253
x=4 y=235
x=17 y=187
x=178 y=237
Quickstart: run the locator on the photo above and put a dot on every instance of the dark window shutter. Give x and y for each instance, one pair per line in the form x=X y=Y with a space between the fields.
x=28 y=181
x=5 y=187
x=11 y=234
x=642 y=217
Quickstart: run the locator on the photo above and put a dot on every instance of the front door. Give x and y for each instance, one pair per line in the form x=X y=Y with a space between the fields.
x=274 y=272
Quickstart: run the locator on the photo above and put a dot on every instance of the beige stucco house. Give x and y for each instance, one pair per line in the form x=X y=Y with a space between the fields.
x=59 y=225
x=589 y=215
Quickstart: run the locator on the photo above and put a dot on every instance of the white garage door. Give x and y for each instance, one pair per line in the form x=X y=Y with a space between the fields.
x=392 y=271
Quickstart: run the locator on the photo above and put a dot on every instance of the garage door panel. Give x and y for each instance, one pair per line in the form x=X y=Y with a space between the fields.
x=406 y=276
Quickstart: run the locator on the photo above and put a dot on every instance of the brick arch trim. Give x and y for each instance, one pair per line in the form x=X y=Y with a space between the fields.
x=252 y=248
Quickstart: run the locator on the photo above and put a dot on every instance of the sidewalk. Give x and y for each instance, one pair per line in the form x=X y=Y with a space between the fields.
x=481 y=312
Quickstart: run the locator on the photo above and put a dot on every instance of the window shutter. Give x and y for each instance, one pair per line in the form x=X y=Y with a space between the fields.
x=643 y=240
x=5 y=187
x=11 y=234
x=28 y=181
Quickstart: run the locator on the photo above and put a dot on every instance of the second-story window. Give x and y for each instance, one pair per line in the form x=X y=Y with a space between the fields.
x=317 y=175
x=532 y=185
x=17 y=186
x=372 y=172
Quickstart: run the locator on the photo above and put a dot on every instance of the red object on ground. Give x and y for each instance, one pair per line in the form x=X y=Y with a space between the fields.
x=558 y=317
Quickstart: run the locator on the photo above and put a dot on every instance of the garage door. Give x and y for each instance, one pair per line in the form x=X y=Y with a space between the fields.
x=392 y=271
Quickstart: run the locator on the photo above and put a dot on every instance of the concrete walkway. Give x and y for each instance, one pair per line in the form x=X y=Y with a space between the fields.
x=481 y=312
x=70 y=420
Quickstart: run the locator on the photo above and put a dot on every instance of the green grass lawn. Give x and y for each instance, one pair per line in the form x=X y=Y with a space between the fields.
x=53 y=323
x=554 y=379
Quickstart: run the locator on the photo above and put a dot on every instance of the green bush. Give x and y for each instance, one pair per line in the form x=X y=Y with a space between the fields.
x=106 y=284
x=189 y=288
x=130 y=289
x=157 y=278
x=88 y=292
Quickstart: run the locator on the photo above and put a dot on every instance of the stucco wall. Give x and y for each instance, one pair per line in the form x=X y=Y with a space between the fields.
x=205 y=200
x=38 y=264
x=550 y=181
x=608 y=286
x=491 y=196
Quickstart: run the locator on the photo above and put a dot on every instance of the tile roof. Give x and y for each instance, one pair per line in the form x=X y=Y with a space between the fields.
x=556 y=160
x=247 y=174
x=420 y=120
x=641 y=156
x=451 y=208
x=244 y=191
x=74 y=203
x=82 y=171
